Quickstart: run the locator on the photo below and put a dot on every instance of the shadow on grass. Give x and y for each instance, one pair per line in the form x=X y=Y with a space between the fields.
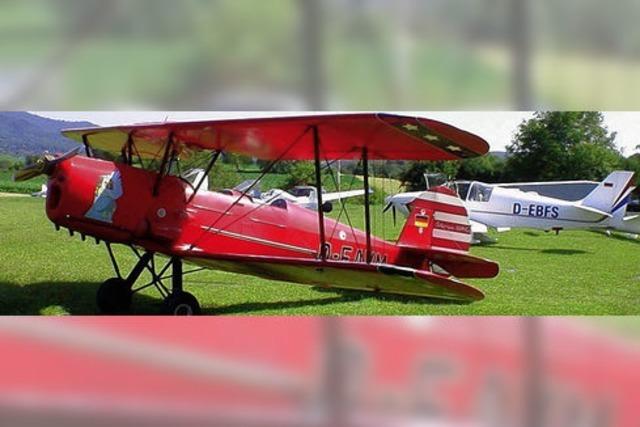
x=341 y=296
x=77 y=298
x=512 y=248
x=553 y=251
x=253 y=307
x=564 y=251
x=406 y=299
x=486 y=243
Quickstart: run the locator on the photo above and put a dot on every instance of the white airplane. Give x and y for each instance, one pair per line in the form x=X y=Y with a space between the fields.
x=494 y=206
x=305 y=196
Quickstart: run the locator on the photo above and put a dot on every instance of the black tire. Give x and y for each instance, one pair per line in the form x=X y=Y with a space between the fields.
x=181 y=304
x=114 y=296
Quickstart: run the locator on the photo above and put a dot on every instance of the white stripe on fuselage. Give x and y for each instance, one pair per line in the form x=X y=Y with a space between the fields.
x=253 y=239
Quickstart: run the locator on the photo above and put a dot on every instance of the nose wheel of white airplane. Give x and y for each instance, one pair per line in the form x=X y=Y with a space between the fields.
x=115 y=295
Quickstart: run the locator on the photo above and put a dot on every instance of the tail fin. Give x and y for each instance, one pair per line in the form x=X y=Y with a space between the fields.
x=612 y=193
x=438 y=219
x=437 y=232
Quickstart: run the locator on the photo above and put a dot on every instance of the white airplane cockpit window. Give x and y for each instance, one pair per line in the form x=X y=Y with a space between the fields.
x=479 y=192
x=303 y=191
x=462 y=188
x=300 y=191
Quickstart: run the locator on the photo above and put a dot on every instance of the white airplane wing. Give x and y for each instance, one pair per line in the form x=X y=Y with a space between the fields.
x=329 y=197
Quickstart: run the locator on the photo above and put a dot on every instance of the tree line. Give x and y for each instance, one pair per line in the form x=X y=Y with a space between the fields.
x=551 y=146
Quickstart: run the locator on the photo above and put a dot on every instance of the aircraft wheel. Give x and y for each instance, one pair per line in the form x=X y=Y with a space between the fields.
x=114 y=296
x=181 y=304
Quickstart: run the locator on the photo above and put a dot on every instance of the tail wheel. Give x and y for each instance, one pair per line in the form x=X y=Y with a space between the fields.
x=114 y=296
x=181 y=304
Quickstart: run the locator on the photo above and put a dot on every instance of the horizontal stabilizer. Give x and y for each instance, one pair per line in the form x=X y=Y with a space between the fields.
x=463 y=265
x=593 y=211
x=631 y=218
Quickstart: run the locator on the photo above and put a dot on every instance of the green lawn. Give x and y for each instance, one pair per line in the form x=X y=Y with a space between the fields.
x=578 y=272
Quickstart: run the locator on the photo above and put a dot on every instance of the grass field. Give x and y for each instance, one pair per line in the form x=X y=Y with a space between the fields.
x=578 y=272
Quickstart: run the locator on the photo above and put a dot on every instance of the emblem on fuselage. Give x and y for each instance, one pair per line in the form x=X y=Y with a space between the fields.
x=108 y=191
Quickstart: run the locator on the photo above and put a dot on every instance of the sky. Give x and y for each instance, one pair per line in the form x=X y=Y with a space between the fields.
x=496 y=127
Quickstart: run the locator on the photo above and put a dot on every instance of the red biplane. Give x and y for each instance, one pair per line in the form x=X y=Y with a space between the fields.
x=158 y=212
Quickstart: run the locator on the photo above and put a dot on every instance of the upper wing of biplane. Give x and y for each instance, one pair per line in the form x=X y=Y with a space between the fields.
x=336 y=136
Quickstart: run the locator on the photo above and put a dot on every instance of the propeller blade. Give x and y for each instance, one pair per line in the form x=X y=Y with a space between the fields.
x=69 y=154
x=31 y=171
x=391 y=206
x=27 y=173
x=44 y=165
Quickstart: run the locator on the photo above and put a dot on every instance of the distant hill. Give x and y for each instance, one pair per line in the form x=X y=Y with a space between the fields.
x=23 y=133
x=499 y=154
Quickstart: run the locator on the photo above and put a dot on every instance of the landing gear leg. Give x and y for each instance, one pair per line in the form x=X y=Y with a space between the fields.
x=179 y=302
x=114 y=295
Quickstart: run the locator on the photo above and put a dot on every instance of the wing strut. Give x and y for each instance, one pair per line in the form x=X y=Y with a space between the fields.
x=316 y=152
x=129 y=156
x=87 y=149
x=367 y=213
x=163 y=165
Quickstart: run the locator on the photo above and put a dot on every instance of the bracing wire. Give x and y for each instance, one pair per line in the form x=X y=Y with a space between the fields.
x=246 y=191
x=343 y=207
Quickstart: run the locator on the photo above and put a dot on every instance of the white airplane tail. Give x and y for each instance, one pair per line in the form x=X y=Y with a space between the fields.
x=612 y=193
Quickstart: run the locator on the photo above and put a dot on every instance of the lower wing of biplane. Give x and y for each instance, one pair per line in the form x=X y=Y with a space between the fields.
x=383 y=278
x=128 y=189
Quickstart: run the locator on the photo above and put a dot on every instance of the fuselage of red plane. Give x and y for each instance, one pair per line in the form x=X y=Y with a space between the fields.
x=172 y=221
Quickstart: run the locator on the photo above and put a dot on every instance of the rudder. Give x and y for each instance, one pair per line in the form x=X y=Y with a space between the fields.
x=438 y=219
x=611 y=193
x=438 y=232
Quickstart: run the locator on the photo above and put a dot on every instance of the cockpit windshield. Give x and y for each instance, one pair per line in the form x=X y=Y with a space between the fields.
x=193 y=177
x=479 y=192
